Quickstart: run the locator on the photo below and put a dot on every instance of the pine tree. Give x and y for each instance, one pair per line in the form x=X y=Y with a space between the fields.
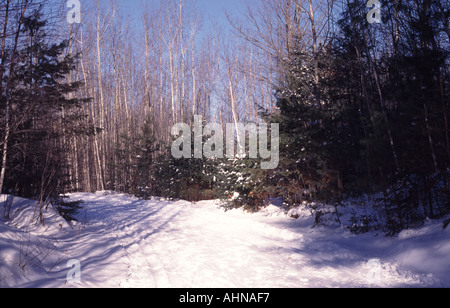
x=37 y=93
x=146 y=149
x=39 y=96
x=191 y=178
x=306 y=132
x=136 y=160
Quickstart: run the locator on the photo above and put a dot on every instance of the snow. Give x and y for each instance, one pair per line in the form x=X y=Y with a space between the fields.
x=121 y=241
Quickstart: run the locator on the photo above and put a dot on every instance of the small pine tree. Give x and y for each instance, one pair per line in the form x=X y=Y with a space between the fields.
x=146 y=149
x=136 y=161
x=191 y=179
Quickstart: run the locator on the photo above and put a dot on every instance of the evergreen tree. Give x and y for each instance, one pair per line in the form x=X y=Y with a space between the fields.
x=191 y=179
x=309 y=132
x=136 y=159
x=242 y=183
x=44 y=115
x=36 y=92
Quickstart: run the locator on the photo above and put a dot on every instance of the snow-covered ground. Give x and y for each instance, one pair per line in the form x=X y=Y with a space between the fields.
x=121 y=241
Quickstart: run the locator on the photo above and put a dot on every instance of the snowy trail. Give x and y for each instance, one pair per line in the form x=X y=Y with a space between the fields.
x=121 y=241
x=126 y=242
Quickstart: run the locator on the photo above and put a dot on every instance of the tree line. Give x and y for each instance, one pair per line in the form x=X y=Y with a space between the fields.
x=362 y=107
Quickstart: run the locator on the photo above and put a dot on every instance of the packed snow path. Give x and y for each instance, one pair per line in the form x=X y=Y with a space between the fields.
x=126 y=242
x=121 y=241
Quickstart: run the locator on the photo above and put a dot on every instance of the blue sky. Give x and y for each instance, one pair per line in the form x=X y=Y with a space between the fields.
x=215 y=8
x=212 y=9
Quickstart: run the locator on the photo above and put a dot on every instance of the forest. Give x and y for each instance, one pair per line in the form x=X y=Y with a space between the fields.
x=363 y=107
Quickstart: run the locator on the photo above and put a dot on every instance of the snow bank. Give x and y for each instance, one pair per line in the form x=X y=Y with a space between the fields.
x=426 y=251
x=28 y=249
x=24 y=215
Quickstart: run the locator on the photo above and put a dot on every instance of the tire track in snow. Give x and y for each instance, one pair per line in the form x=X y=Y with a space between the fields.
x=145 y=268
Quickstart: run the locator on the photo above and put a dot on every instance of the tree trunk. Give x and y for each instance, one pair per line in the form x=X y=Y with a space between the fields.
x=315 y=52
x=5 y=148
x=101 y=180
x=7 y=130
x=8 y=86
x=382 y=105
